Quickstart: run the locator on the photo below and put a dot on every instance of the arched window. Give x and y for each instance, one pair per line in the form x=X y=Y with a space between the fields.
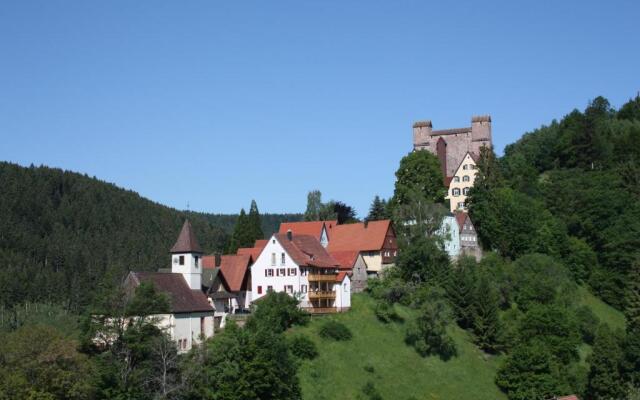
x=456 y=192
x=465 y=191
x=456 y=179
x=465 y=178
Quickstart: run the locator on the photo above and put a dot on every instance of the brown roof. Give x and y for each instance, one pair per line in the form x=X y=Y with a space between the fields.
x=187 y=242
x=346 y=258
x=313 y=228
x=209 y=262
x=357 y=237
x=234 y=269
x=261 y=243
x=306 y=250
x=419 y=124
x=253 y=252
x=461 y=216
x=447 y=180
x=182 y=298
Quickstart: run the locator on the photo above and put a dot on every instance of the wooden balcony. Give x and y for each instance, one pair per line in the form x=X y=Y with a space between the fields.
x=321 y=310
x=322 y=278
x=322 y=294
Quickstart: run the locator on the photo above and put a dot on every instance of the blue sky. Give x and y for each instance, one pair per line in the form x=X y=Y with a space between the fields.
x=214 y=103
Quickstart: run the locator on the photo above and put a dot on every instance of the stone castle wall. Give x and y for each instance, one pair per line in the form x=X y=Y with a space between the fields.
x=458 y=141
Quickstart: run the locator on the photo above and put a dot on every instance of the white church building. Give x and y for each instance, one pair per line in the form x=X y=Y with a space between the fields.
x=191 y=315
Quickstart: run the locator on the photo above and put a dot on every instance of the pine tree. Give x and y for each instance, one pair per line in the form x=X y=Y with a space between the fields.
x=378 y=209
x=255 y=222
x=486 y=323
x=461 y=291
x=605 y=380
x=242 y=233
x=314 y=206
x=632 y=313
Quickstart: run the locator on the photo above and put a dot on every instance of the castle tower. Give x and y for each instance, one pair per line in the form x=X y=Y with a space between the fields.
x=186 y=257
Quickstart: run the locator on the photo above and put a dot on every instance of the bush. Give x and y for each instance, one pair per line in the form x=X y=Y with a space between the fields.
x=369 y=368
x=335 y=330
x=371 y=392
x=386 y=313
x=303 y=347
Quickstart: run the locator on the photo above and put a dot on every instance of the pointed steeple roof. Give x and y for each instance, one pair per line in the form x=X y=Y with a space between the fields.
x=187 y=242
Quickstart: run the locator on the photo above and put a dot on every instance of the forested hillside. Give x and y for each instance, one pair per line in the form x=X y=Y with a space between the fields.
x=61 y=233
x=571 y=188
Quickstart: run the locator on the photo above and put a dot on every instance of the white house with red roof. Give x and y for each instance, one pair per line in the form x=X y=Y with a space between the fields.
x=227 y=282
x=321 y=230
x=300 y=266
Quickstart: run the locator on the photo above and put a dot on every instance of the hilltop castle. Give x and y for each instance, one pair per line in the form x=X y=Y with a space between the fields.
x=451 y=145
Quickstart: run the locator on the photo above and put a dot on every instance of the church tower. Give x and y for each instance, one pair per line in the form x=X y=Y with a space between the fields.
x=186 y=257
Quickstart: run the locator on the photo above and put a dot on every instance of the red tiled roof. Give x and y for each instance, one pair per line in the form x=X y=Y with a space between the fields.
x=182 y=298
x=187 y=242
x=357 y=237
x=261 y=243
x=209 y=262
x=233 y=269
x=461 y=216
x=341 y=275
x=313 y=228
x=447 y=181
x=306 y=250
x=346 y=258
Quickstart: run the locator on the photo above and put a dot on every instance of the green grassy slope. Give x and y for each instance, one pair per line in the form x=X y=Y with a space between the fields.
x=606 y=313
x=398 y=371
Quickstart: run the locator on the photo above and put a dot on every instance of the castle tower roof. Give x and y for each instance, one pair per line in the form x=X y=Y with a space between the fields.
x=187 y=242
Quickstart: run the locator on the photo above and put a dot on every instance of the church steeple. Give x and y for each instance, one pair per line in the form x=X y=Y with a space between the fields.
x=186 y=257
x=187 y=242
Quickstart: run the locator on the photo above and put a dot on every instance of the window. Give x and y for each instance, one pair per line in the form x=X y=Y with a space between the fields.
x=303 y=288
x=273 y=241
x=196 y=260
x=292 y=271
x=269 y=288
x=181 y=261
x=202 y=326
x=282 y=259
x=273 y=259
x=259 y=289
x=465 y=191
x=269 y=272
x=461 y=204
x=288 y=288
x=456 y=192
x=456 y=179
x=465 y=178
x=346 y=289
x=465 y=166
x=282 y=272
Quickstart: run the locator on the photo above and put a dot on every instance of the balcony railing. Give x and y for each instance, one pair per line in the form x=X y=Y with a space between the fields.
x=322 y=294
x=322 y=278
x=321 y=310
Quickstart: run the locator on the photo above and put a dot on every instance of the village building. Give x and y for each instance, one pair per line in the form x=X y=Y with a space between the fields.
x=227 y=280
x=300 y=266
x=191 y=316
x=469 y=245
x=461 y=182
x=352 y=261
x=451 y=145
x=374 y=240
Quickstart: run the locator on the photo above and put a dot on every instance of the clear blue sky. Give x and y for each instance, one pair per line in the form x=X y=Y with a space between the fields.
x=215 y=103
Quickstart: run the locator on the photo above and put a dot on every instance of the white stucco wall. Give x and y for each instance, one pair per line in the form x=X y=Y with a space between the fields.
x=186 y=326
x=343 y=293
x=191 y=270
x=461 y=185
x=258 y=278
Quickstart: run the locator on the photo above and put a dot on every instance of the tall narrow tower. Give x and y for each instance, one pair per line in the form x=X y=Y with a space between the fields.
x=186 y=257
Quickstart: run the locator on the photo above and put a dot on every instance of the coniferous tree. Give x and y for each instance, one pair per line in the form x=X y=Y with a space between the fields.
x=486 y=322
x=314 y=206
x=378 y=209
x=255 y=222
x=605 y=379
x=461 y=291
x=632 y=314
x=242 y=233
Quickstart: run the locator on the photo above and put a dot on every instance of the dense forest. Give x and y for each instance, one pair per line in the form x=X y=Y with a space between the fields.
x=62 y=233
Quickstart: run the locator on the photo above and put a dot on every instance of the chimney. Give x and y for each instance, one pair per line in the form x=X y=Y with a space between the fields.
x=289 y=235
